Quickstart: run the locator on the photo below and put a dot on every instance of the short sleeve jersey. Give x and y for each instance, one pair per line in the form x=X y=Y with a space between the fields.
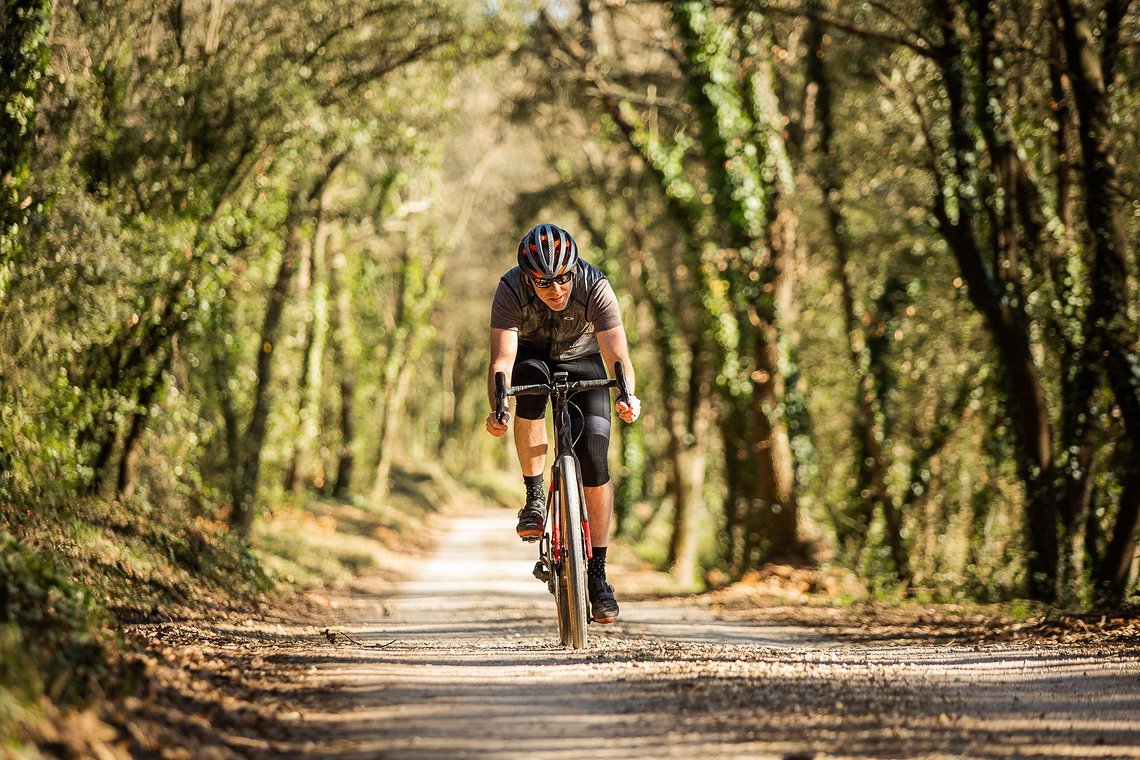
x=560 y=335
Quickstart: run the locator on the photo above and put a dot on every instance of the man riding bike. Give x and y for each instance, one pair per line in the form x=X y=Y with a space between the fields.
x=556 y=313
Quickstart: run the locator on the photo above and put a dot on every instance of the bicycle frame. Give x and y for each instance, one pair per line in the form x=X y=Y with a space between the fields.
x=565 y=447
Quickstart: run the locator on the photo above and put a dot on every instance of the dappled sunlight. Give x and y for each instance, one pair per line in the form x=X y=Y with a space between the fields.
x=466 y=664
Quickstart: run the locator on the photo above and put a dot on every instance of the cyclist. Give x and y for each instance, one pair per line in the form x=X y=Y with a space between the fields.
x=556 y=313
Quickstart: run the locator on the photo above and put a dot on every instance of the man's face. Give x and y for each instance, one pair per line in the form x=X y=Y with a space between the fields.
x=557 y=296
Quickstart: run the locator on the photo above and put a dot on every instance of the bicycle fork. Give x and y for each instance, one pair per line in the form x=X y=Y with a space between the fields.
x=550 y=546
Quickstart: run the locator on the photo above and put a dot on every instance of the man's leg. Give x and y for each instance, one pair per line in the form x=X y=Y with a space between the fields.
x=600 y=508
x=531 y=445
x=593 y=452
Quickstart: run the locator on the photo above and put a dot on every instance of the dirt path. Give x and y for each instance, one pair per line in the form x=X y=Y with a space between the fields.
x=473 y=670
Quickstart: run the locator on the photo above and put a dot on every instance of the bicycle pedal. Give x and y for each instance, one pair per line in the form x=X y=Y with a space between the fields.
x=541 y=572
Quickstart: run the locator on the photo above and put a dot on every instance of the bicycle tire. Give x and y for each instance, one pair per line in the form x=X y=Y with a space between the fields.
x=558 y=584
x=573 y=566
x=563 y=614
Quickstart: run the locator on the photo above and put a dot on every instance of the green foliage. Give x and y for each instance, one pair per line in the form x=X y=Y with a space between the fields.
x=55 y=637
x=23 y=57
x=162 y=179
x=71 y=575
x=946 y=140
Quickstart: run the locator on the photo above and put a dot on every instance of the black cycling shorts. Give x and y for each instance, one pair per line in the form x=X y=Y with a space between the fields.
x=589 y=410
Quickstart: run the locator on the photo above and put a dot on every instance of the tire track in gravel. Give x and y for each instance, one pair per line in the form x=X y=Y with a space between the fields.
x=474 y=670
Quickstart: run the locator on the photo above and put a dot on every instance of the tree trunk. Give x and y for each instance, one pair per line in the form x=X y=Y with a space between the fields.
x=1111 y=575
x=342 y=336
x=304 y=465
x=254 y=437
x=417 y=294
x=1023 y=393
x=682 y=524
x=735 y=443
x=1079 y=381
x=1110 y=326
x=738 y=135
x=132 y=443
x=101 y=462
x=689 y=462
x=772 y=525
x=634 y=484
x=1110 y=335
x=758 y=280
x=447 y=381
x=301 y=207
x=222 y=370
x=686 y=431
x=294 y=481
x=393 y=419
x=347 y=457
x=870 y=488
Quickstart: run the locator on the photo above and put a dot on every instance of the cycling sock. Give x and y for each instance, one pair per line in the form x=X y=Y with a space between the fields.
x=596 y=565
x=534 y=490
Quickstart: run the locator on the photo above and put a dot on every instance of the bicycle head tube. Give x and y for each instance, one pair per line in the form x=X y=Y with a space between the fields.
x=560 y=398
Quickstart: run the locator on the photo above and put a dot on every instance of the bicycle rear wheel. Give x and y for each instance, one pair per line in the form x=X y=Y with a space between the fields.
x=573 y=565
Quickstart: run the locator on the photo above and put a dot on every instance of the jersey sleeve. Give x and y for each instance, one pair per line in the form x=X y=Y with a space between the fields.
x=506 y=313
x=602 y=307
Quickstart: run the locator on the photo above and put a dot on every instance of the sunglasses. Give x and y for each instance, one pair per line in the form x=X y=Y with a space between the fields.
x=546 y=282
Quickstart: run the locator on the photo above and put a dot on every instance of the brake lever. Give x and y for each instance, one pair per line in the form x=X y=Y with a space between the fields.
x=501 y=397
x=623 y=387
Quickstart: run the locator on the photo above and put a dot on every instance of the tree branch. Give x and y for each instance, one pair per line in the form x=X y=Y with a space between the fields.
x=922 y=46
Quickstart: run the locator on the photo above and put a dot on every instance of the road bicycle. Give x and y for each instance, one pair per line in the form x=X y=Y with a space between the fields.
x=565 y=545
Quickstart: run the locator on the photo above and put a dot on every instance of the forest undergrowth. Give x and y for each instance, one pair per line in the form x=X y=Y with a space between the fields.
x=108 y=612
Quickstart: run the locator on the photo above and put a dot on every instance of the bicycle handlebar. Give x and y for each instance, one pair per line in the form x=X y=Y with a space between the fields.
x=502 y=390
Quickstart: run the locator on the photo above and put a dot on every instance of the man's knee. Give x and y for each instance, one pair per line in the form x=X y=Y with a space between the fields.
x=530 y=372
x=593 y=451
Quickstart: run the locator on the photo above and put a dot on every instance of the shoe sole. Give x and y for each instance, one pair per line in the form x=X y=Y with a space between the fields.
x=530 y=536
x=606 y=619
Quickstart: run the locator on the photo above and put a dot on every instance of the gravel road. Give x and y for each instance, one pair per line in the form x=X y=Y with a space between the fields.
x=463 y=662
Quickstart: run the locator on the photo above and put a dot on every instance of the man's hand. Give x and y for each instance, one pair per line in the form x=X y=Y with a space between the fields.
x=631 y=411
x=495 y=427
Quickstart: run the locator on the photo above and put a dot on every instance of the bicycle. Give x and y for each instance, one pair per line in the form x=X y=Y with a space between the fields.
x=565 y=544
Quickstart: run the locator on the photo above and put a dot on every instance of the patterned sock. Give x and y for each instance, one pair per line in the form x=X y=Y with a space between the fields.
x=596 y=565
x=534 y=489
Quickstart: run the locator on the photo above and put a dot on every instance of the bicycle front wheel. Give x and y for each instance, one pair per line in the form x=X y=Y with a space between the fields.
x=557 y=579
x=573 y=565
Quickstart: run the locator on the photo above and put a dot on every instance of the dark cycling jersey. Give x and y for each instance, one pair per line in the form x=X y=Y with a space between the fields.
x=558 y=335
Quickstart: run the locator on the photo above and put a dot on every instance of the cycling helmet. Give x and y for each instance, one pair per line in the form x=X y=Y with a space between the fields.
x=547 y=251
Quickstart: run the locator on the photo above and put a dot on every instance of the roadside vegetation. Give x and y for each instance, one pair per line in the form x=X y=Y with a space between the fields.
x=92 y=596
